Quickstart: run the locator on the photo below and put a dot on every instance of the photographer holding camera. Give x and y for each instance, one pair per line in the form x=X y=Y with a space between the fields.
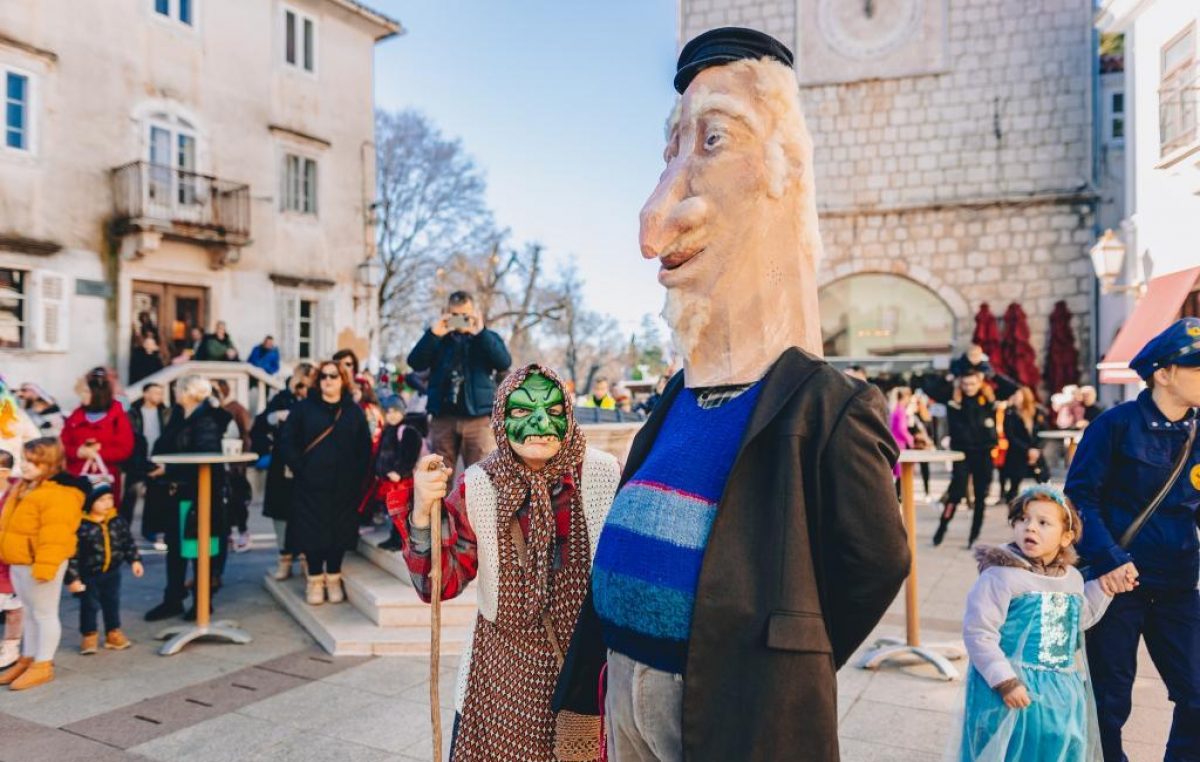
x=461 y=356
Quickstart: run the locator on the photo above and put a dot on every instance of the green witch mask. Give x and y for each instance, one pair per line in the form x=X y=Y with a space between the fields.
x=536 y=408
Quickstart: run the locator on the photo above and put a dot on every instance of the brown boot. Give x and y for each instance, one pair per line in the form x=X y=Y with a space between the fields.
x=116 y=640
x=16 y=670
x=90 y=643
x=284 y=569
x=333 y=588
x=314 y=594
x=39 y=673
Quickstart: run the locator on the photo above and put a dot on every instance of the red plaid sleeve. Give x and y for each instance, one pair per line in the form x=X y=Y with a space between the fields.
x=460 y=559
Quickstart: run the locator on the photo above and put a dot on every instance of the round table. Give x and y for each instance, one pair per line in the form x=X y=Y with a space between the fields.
x=886 y=648
x=179 y=636
x=1069 y=436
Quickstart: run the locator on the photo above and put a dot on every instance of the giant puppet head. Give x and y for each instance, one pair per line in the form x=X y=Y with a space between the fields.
x=733 y=221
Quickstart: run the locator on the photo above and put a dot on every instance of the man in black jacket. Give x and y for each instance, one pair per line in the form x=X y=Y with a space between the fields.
x=461 y=357
x=971 y=414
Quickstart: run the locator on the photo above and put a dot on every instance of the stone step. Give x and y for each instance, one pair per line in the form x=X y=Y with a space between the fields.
x=343 y=630
x=389 y=603
x=389 y=561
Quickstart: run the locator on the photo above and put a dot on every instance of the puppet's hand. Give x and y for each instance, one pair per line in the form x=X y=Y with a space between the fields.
x=431 y=483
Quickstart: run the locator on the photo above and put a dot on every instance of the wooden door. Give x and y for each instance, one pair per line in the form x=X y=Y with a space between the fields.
x=187 y=307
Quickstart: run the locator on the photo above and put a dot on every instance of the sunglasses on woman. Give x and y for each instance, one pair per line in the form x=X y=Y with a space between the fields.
x=330 y=376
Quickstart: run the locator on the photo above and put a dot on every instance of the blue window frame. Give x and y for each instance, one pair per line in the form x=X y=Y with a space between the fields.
x=176 y=9
x=16 y=111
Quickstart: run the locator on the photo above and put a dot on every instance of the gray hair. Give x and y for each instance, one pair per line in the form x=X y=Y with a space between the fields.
x=196 y=387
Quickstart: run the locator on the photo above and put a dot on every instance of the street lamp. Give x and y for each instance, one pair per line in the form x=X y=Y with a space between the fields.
x=1108 y=260
x=370 y=272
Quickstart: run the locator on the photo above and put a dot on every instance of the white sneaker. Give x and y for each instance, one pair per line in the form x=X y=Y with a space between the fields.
x=10 y=651
x=242 y=543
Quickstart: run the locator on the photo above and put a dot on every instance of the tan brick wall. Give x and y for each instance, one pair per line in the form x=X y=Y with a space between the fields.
x=912 y=177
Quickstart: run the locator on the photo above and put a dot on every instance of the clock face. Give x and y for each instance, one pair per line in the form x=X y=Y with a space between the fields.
x=865 y=29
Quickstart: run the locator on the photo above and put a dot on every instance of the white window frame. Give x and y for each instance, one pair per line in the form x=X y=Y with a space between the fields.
x=291 y=188
x=321 y=339
x=1178 y=84
x=26 y=300
x=37 y=308
x=301 y=17
x=172 y=16
x=175 y=126
x=1111 y=115
x=31 y=110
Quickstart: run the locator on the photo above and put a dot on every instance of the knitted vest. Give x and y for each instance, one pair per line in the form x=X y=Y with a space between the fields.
x=600 y=477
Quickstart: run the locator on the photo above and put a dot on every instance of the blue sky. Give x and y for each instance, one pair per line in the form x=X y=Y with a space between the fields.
x=563 y=105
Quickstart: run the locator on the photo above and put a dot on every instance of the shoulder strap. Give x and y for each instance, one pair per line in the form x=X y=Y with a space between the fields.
x=518 y=538
x=1132 y=532
x=323 y=434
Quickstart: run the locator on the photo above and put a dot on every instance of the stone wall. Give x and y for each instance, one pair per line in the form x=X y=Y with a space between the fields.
x=974 y=181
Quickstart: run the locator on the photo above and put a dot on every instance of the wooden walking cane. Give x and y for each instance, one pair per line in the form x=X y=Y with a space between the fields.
x=435 y=629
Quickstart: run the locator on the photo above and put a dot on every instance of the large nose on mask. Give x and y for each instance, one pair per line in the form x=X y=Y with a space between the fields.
x=539 y=422
x=661 y=218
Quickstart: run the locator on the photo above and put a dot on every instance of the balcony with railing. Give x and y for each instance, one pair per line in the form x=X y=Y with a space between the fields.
x=176 y=203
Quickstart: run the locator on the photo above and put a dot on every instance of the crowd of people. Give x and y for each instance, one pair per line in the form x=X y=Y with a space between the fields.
x=700 y=601
x=998 y=437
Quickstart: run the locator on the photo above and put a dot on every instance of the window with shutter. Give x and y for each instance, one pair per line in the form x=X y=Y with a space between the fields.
x=326 y=335
x=287 y=305
x=52 y=328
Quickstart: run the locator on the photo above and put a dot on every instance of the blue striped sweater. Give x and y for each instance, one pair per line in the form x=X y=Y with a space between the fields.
x=648 y=560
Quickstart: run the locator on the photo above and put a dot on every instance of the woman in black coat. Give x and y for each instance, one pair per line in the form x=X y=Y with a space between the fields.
x=267 y=436
x=327 y=446
x=1023 y=422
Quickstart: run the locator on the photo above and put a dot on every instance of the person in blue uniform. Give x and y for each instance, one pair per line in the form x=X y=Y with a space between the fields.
x=1126 y=456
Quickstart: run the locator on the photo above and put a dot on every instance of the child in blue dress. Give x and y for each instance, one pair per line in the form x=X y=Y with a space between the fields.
x=1028 y=696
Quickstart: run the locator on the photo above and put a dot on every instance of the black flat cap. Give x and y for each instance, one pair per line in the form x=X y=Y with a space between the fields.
x=720 y=46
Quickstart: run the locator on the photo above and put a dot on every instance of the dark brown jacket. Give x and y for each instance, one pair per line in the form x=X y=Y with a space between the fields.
x=806 y=553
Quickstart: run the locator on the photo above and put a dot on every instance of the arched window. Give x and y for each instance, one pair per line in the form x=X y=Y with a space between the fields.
x=882 y=315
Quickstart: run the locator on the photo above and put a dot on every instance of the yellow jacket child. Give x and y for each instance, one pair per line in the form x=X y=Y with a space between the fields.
x=37 y=536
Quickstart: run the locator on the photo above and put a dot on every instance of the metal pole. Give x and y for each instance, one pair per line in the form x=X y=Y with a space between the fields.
x=912 y=615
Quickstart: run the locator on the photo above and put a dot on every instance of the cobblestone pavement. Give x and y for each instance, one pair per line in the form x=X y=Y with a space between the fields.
x=281 y=697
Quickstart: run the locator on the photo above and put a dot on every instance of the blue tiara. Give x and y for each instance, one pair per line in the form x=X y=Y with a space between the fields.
x=1050 y=493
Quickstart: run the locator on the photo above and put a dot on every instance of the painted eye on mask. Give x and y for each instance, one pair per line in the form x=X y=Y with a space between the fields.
x=519 y=412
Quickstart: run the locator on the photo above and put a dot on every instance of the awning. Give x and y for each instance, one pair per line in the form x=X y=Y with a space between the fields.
x=1156 y=310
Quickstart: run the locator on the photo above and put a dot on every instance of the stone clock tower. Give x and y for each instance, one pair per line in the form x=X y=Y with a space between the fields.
x=953 y=157
x=854 y=40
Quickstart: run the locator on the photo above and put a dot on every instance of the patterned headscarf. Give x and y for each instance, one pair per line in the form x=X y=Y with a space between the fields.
x=516 y=483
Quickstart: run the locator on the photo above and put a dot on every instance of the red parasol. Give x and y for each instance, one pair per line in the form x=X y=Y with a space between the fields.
x=1062 y=357
x=1016 y=353
x=987 y=335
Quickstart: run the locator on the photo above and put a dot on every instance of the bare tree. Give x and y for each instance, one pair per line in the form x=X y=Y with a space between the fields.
x=582 y=343
x=431 y=207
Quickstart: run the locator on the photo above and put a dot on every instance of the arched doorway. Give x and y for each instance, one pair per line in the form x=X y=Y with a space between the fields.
x=879 y=316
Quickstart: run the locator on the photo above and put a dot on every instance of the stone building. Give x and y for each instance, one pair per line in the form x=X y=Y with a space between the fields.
x=954 y=163
x=169 y=163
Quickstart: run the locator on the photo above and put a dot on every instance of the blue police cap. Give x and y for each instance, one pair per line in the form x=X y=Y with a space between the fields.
x=1179 y=344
